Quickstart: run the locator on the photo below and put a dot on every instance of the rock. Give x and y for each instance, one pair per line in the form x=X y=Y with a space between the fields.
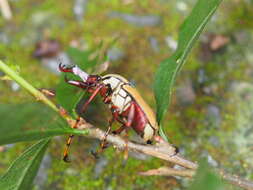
x=14 y=86
x=181 y=6
x=100 y=166
x=241 y=138
x=212 y=43
x=213 y=115
x=137 y=20
x=4 y=38
x=115 y=54
x=242 y=37
x=185 y=93
x=79 y=9
x=53 y=63
x=154 y=44
x=209 y=158
x=218 y=41
x=47 y=48
x=202 y=78
x=214 y=141
x=41 y=178
x=171 y=42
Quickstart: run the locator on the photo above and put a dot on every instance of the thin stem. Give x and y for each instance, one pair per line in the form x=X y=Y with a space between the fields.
x=36 y=93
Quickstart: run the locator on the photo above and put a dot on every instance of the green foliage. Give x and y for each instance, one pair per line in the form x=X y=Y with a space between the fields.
x=23 y=170
x=206 y=179
x=82 y=58
x=29 y=121
x=169 y=68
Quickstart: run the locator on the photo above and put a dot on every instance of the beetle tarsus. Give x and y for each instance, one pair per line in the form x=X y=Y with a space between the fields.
x=65 y=69
x=66 y=159
x=95 y=154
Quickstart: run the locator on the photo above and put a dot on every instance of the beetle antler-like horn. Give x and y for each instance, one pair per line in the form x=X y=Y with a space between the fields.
x=75 y=70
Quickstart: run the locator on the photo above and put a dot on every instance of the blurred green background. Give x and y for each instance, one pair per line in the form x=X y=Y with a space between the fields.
x=211 y=113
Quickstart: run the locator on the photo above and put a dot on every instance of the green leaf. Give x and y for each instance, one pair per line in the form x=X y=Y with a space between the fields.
x=206 y=179
x=82 y=58
x=21 y=173
x=169 y=68
x=29 y=121
x=67 y=95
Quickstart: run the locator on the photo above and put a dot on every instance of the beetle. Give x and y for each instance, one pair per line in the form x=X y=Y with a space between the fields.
x=125 y=102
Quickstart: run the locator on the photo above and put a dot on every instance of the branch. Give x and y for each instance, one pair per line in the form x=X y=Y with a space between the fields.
x=165 y=171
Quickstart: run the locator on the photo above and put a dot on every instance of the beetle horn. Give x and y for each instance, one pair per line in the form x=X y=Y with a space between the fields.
x=75 y=70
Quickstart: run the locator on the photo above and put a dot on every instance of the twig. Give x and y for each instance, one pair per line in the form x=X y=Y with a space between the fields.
x=164 y=171
x=236 y=180
x=5 y=9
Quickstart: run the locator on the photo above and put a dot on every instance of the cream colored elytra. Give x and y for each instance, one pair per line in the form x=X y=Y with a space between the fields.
x=122 y=95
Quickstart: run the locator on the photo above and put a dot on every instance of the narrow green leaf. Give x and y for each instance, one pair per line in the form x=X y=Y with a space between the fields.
x=21 y=173
x=206 y=179
x=168 y=69
x=29 y=121
x=162 y=134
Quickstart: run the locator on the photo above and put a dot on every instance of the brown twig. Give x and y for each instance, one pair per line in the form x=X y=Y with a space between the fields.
x=165 y=171
x=162 y=151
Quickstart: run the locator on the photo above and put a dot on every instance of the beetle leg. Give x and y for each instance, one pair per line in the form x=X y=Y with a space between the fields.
x=77 y=83
x=65 y=155
x=91 y=98
x=103 y=142
x=128 y=124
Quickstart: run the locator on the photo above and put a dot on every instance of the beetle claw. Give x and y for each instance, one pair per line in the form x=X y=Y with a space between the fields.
x=65 y=69
x=95 y=154
x=66 y=159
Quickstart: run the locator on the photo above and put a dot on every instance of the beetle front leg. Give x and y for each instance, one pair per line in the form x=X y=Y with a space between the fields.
x=77 y=83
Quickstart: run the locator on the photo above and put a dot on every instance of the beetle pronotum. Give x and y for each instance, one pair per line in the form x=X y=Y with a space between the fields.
x=126 y=104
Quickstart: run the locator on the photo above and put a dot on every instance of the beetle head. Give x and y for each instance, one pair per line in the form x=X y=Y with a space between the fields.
x=93 y=80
